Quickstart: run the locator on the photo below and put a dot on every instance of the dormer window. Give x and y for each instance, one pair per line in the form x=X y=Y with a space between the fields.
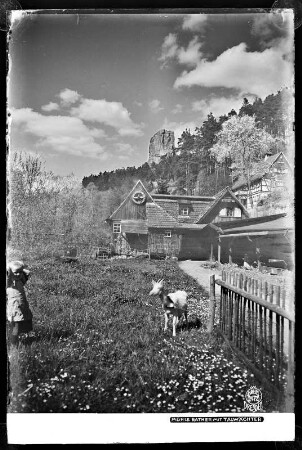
x=230 y=212
x=168 y=233
x=184 y=211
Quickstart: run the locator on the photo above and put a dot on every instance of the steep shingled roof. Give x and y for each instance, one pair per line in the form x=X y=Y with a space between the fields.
x=172 y=208
x=261 y=168
x=280 y=224
x=157 y=217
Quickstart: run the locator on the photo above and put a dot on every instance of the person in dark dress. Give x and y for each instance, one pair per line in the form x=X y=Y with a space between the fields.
x=19 y=315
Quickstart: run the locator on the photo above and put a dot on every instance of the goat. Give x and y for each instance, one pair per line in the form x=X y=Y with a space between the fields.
x=174 y=304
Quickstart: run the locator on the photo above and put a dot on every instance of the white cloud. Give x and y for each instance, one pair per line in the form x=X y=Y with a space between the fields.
x=195 y=22
x=155 y=106
x=123 y=147
x=272 y=27
x=177 y=109
x=62 y=134
x=81 y=146
x=179 y=127
x=124 y=150
x=68 y=97
x=137 y=103
x=51 y=106
x=257 y=73
x=169 y=48
x=113 y=114
x=188 y=56
x=191 y=55
x=219 y=105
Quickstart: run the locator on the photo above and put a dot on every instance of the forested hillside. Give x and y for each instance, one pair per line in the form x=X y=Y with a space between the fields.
x=195 y=167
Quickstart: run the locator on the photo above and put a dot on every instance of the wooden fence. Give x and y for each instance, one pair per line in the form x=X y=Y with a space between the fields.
x=261 y=332
x=273 y=293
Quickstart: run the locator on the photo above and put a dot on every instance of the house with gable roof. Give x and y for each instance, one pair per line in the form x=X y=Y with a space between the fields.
x=269 y=175
x=179 y=225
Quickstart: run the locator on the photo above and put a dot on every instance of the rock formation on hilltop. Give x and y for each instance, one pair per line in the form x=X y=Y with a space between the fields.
x=160 y=144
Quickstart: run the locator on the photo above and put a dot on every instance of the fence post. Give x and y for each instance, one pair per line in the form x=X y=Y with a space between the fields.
x=212 y=304
x=289 y=398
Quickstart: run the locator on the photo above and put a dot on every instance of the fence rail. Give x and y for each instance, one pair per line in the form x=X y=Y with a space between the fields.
x=273 y=293
x=261 y=331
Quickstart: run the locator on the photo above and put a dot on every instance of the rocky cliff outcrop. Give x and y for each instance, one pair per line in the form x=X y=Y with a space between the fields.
x=160 y=144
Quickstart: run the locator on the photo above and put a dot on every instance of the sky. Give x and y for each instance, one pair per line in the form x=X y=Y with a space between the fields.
x=88 y=91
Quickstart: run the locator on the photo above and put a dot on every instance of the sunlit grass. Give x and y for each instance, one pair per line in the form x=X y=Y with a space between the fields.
x=99 y=345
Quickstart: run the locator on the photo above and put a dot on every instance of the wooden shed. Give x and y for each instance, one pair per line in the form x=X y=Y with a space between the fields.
x=264 y=239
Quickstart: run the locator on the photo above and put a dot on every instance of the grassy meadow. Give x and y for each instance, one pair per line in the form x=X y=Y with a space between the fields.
x=99 y=345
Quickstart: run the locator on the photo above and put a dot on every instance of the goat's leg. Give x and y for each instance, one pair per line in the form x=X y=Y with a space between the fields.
x=186 y=317
x=175 y=321
x=166 y=322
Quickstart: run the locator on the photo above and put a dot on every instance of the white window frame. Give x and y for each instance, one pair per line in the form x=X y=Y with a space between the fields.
x=184 y=211
x=116 y=225
x=230 y=211
x=168 y=233
x=237 y=212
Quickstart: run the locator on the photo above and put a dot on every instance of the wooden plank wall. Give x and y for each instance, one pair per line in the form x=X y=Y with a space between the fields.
x=161 y=245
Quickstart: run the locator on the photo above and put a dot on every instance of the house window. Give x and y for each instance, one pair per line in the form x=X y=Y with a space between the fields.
x=168 y=233
x=237 y=212
x=139 y=197
x=116 y=227
x=230 y=212
x=184 y=210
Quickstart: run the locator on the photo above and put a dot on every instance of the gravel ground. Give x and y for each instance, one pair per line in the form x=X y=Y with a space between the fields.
x=199 y=273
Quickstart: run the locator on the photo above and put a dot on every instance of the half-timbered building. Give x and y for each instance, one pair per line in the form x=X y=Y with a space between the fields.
x=269 y=175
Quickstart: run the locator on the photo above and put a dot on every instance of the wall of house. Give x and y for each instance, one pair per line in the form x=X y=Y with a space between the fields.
x=125 y=243
x=134 y=226
x=218 y=215
x=161 y=245
x=137 y=241
x=197 y=244
x=131 y=210
x=275 y=179
x=259 y=191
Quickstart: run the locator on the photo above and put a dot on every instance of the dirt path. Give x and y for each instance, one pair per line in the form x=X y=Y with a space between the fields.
x=199 y=273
